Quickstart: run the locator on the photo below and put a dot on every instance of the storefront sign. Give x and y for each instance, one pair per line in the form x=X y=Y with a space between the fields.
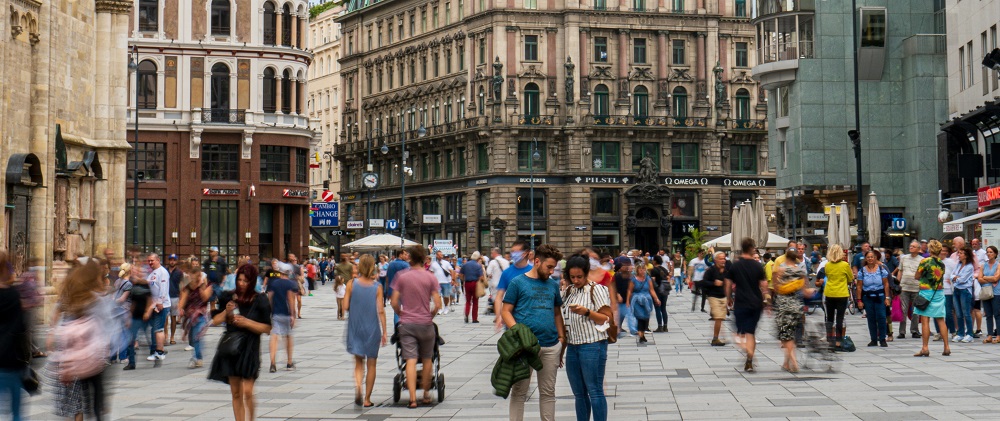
x=989 y=196
x=355 y=225
x=719 y=181
x=324 y=214
x=991 y=233
x=602 y=180
x=606 y=224
x=376 y=223
x=539 y=180
x=953 y=228
x=296 y=193
x=432 y=219
x=221 y=192
x=817 y=217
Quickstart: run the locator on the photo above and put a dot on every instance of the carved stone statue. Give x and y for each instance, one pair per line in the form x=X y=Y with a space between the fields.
x=630 y=225
x=569 y=79
x=647 y=170
x=720 y=88
x=497 y=78
x=665 y=225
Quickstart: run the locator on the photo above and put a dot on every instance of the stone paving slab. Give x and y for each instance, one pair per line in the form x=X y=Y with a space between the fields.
x=677 y=376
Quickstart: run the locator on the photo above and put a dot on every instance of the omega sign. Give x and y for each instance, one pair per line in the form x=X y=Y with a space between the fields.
x=718 y=181
x=743 y=183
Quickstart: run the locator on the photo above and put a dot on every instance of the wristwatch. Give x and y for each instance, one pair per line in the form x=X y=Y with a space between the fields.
x=588 y=313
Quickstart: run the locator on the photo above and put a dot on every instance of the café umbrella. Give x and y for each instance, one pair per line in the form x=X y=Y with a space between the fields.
x=832 y=228
x=874 y=221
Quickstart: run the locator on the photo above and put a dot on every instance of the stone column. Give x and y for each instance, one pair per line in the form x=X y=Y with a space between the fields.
x=294 y=106
x=295 y=30
x=701 y=89
x=278 y=78
x=662 y=87
x=278 y=39
x=623 y=60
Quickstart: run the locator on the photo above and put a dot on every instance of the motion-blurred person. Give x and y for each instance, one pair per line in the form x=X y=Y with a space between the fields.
x=26 y=286
x=140 y=301
x=194 y=308
x=247 y=315
x=641 y=298
x=14 y=352
x=282 y=293
x=661 y=280
x=159 y=284
x=215 y=268
x=366 y=331
x=176 y=274
x=120 y=313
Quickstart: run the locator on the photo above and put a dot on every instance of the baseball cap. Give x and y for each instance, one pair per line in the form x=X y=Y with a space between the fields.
x=622 y=261
x=284 y=268
x=172 y=256
x=629 y=254
x=215 y=249
x=923 y=241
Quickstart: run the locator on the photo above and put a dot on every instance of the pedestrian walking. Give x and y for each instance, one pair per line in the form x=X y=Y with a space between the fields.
x=159 y=285
x=532 y=299
x=991 y=307
x=586 y=313
x=962 y=282
x=383 y=273
x=910 y=286
x=413 y=291
x=175 y=274
x=622 y=279
x=714 y=288
x=789 y=280
x=661 y=280
x=15 y=348
x=519 y=265
x=340 y=291
x=471 y=273
x=836 y=293
x=311 y=276
x=247 y=315
x=194 y=308
x=282 y=293
x=873 y=288
x=930 y=272
x=215 y=268
x=696 y=273
x=642 y=299
x=366 y=331
x=747 y=290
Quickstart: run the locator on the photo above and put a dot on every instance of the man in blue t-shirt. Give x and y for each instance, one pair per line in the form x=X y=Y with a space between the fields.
x=391 y=271
x=282 y=292
x=533 y=300
x=519 y=266
x=859 y=258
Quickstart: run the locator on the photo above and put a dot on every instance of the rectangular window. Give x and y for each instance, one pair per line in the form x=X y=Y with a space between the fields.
x=993 y=46
x=423 y=21
x=220 y=226
x=605 y=202
x=151 y=224
x=436 y=65
x=220 y=162
x=482 y=51
x=684 y=203
x=528 y=205
x=447 y=62
x=969 y=63
x=152 y=161
x=274 y=163
x=782 y=108
x=389 y=31
x=606 y=156
x=742 y=58
x=600 y=5
x=482 y=5
x=301 y=157
x=482 y=158
x=461 y=9
x=743 y=159
x=741 y=8
x=678 y=45
x=461 y=161
x=425 y=168
x=430 y=206
x=986 y=71
x=639 y=50
x=413 y=25
x=454 y=205
x=525 y=156
x=399 y=30
x=437 y=164
x=684 y=157
x=448 y=166
x=644 y=149
x=220 y=18
x=531 y=47
x=461 y=57
x=447 y=13
x=678 y=6
x=149 y=13
x=873 y=27
x=349 y=178
x=601 y=49
x=530 y=4
x=434 y=16
x=639 y=5
x=961 y=67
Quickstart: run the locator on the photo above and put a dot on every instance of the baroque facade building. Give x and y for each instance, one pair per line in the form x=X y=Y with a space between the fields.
x=324 y=104
x=539 y=115
x=223 y=134
x=62 y=134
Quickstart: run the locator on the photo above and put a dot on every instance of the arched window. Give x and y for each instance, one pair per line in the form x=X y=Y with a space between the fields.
x=601 y=104
x=149 y=14
x=220 y=17
x=531 y=104
x=270 y=90
x=286 y=25
x=640 y=102
x=220 y=92
x=286 y=92
x=680 y=102
x=270 y=23
x=743 y=105
x=146 y=88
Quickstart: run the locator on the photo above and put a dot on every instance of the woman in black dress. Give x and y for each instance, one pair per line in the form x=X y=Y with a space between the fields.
x=246 y=313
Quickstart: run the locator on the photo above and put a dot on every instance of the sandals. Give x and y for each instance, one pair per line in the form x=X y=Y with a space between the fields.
x=923 y=354
x=996 y=340
x=412 y=405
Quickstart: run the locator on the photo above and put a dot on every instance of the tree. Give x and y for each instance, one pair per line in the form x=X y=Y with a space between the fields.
x=693 y=242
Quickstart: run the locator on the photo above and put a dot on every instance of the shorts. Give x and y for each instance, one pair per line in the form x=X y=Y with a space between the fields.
x=718 y=306
x=746 y=320
x=175 y=308
x=446 y=290
x=977 y=305
x=281 y=325
x=158 y=320
x=416 y=341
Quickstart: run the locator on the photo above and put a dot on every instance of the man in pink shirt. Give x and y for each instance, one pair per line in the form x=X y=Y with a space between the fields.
x=416 y=287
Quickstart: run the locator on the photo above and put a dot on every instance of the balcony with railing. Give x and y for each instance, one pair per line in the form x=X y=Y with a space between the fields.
x=270 y=36
x=689 y=122
x=627 y=120
x=535 y=120
x=223 y=116
x=784 y=38
x=748 y=124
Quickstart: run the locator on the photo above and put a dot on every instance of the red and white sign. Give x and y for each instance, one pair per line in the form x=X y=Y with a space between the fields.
x=220 y=192
x=295 y=193
x=327 y=196
x=989 y=196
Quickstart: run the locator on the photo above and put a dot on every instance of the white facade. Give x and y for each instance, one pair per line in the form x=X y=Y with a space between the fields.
x=972 y=32
x=324 y=96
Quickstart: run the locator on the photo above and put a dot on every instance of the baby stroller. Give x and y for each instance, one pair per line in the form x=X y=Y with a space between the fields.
x=437 y=378
x=817 y=354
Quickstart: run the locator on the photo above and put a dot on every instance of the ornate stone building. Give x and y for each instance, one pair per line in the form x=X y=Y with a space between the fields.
x=539 y=115
x=223 y=136
x=62 y=135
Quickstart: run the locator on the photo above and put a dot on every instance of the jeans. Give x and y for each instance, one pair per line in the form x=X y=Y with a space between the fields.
x=875 y=308
x=585 y=369
x=949 y=316
x=906 y=299
x=991 y=310
x=10 y=389
x=137 y=325
x=661 y=312
x=196 y=327
x=678 y=283
x=546 y=387
x=963 y=311
x=623 y=310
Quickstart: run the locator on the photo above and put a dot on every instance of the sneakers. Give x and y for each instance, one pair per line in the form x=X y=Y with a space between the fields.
x=128 y=367
x=966 y=339
x=914 y=335
x=978 y=334
x=195 y=363
x=718 y=342
x=189 y=348
x=273 y=368
x=937 y=337
x=290 y=367
x=158 y=356
x=883 y=344
x=901 y=336
x=873 y=343
x=748 y=366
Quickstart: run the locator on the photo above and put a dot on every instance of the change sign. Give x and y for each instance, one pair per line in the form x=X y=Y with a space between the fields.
x=324 y=214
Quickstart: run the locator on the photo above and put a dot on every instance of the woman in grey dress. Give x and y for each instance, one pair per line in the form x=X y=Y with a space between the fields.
x=365 y=325
x=789 y=279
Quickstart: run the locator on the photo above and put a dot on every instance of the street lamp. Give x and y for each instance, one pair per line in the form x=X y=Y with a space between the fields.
x=535 y=156
x=133 y=66
x=855 y=135
x=403 y=172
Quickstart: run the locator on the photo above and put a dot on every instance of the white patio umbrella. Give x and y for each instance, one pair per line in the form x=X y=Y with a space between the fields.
x=845 y=226
x=874 y=220
x=774 y=241
x=760 y=223
x=734 y=240
x=379 y=242
x=747 y=215
x=833 y=228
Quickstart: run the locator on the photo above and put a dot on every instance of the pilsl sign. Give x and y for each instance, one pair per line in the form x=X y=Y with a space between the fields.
x=989 y=196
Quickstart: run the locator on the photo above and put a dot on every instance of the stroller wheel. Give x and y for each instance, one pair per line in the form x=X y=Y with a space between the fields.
x=397 y=387
x=440 y=387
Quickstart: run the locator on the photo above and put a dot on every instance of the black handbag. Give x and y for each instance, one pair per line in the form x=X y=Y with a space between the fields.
x=29 y=380
x=233 y=342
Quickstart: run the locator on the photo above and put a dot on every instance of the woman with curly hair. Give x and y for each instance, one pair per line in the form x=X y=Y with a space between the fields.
x=247 y=315
x=930 y=273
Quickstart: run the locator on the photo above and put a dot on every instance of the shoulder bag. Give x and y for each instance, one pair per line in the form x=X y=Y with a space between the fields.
x=232 y=342
x=612 y=329
x=986 y=293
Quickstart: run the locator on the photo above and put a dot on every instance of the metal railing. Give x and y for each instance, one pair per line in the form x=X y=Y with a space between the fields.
x=690 y=121
x=748 y=124
x=270 y=37
x=536 y=120
x=223 y=116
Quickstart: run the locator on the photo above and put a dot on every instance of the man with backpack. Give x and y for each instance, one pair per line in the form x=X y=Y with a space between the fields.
x=661 y=281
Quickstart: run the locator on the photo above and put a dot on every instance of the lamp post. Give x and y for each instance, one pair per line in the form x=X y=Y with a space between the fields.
x=535 y=156
x=370 y=175
x=403 y=171
x=133 y=66
x=855 y=135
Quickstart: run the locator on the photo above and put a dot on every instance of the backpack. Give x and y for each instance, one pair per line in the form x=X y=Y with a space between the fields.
x=84 y=349
x=847 y=344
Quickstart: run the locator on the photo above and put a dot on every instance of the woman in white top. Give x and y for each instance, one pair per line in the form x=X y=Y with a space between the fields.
x=586 y=310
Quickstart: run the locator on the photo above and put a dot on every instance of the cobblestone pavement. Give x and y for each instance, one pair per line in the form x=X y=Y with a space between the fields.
x=676 y=376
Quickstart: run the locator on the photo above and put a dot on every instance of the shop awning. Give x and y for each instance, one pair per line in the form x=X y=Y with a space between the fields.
x=959 y=224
